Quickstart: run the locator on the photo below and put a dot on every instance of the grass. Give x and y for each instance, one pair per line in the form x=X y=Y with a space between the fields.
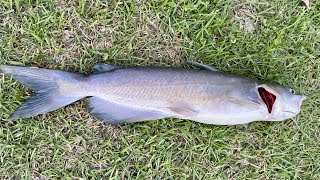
x=274 y=41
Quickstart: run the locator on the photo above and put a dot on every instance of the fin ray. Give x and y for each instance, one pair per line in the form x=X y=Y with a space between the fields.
x=48 y=97
x=113 y=113
x=201 y=66
x=183 y=108
x=41 y=103
x=102 y=68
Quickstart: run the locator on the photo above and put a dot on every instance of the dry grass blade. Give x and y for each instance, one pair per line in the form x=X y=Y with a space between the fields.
x=306 y=3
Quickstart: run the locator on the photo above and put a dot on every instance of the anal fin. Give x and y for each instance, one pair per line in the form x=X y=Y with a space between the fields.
x=114 y=113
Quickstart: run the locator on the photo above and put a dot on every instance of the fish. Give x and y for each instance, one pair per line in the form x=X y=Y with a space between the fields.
x=127 y=94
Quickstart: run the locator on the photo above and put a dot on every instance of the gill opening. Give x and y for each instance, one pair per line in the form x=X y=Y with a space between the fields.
x=267 y=97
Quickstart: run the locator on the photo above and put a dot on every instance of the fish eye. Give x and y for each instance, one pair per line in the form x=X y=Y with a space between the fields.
x=292 y=91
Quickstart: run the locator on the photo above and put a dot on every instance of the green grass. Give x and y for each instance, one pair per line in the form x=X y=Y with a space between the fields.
x=274 y=41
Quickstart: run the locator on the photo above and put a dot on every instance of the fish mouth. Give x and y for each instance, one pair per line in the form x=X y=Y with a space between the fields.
x=290 y=112
x=267 y=97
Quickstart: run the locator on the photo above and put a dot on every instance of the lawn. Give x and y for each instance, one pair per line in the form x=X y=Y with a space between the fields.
x=275 y=41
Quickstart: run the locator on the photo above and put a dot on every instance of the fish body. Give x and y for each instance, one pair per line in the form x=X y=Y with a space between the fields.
x=131 y=94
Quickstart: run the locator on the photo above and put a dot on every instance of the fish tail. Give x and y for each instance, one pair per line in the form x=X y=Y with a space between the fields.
x=49 y=86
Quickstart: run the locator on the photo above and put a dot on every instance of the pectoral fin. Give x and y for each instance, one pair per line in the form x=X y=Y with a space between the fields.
x=183 y=108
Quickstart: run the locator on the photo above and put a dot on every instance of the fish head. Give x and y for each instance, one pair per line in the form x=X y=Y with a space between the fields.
x=280 y=102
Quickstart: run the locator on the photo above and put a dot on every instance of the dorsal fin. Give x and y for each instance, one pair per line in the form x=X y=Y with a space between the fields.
x=201 y=66
x=101 y=68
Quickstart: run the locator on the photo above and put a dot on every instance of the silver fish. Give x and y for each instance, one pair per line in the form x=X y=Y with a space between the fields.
x=132 y=94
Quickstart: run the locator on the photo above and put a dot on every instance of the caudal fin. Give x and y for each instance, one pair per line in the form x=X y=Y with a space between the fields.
x=47 y=84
